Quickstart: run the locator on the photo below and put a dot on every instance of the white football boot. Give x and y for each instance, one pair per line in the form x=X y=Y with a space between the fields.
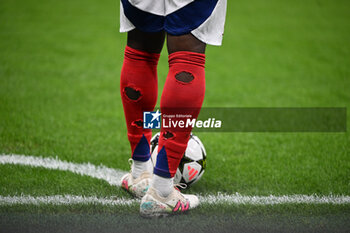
x=136 y=187
x=153 y=205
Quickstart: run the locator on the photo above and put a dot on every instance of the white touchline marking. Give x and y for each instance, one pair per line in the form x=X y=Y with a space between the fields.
x=64 y=200
x=273 y=200
x=236 y=199
x=113 y=176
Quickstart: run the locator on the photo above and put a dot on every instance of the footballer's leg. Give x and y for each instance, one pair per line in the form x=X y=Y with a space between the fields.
x=183 y=93
x=190 y=25
x=138 y=88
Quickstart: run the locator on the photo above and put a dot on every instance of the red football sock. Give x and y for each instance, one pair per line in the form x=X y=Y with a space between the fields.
x=139 y=89
x=183 y=93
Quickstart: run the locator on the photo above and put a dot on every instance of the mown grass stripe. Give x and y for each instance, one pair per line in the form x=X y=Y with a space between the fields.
x=113 y=176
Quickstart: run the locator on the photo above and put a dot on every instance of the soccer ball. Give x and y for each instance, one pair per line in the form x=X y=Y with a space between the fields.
x=193 y=162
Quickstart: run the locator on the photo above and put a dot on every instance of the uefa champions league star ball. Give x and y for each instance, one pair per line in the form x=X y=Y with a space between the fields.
x=193 y=162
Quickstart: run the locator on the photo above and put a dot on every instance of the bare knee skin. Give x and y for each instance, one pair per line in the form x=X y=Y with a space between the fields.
x=186 y=42
x=151 y=42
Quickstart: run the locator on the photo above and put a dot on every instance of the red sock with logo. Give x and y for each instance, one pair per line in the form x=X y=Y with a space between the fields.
x=139 y=89
x=183 y=93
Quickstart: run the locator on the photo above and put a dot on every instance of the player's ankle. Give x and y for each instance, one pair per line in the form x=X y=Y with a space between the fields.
x=138 y=167
x=164 y=186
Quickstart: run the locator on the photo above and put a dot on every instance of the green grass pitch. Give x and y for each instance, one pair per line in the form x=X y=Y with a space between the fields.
x=59 y=95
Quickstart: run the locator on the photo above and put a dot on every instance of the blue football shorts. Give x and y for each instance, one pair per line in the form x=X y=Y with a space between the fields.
x=205 y=19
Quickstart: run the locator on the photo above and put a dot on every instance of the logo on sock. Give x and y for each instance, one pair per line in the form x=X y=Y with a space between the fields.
x=151 y=120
